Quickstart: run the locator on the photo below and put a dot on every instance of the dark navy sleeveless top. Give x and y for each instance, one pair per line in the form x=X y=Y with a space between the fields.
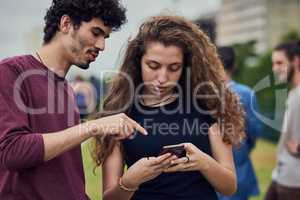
x=167 y=125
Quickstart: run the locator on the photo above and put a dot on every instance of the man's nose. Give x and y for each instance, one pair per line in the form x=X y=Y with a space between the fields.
x=100 y=44
x=274 y=68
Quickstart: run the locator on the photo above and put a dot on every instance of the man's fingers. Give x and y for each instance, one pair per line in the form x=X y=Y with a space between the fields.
x=128 y=130
x=137 y=126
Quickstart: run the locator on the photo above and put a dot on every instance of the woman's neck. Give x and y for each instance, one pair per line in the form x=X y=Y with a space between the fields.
x=155 y=100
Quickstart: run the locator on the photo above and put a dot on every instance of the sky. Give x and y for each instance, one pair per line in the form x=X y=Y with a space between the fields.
x=22 y=23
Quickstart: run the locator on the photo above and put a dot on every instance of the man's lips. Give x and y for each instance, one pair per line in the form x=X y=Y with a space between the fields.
x=93 y=55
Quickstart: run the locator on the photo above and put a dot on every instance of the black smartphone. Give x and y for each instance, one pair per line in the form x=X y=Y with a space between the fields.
x=177 y=149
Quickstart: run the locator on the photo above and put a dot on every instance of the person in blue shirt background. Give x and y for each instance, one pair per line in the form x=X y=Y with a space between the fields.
x=247 y=182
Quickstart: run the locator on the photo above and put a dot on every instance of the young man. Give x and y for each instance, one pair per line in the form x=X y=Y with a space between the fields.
x=247 y=182
x=286 y=176
x=40 y=155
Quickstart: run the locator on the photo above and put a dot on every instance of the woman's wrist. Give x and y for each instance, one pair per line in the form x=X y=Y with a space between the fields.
x=204 y=162
x=127 y=185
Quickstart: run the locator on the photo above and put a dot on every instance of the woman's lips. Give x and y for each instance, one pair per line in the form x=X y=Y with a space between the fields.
x=159 y=89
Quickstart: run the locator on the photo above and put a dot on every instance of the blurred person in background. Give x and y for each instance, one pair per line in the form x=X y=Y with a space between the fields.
x=40 y=134
x=247 y=181
x=167 y=62
x=85 y=95
x=97 y=85
x=286 y=175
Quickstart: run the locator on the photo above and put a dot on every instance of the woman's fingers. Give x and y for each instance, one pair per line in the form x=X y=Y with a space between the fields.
x=160 y=159
x=166 y=163
x=180 y=160
x=180 y=168
x=174 y=168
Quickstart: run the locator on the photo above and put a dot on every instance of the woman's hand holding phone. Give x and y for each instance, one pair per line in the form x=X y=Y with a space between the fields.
x=146 y=169
x=193 y=161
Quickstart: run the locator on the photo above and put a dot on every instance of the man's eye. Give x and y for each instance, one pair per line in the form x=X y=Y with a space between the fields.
x=96 y=33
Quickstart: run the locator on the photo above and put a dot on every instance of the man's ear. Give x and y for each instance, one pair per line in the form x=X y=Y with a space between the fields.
x=65 y=24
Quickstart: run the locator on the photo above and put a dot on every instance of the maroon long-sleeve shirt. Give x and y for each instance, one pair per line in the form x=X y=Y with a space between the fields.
x=35 y=101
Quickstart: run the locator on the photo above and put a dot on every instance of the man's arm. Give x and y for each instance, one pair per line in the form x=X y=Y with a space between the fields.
x=118 y=125
x=21 y=147
x=291 y=124
x=62 y=141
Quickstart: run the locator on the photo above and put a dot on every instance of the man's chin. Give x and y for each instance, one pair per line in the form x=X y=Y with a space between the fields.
x=281 y=79
x=83 y=65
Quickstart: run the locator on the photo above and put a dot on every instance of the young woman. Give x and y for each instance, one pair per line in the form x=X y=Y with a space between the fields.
x=179 y=96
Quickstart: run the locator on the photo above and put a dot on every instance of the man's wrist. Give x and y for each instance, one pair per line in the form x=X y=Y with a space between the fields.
x=89 y=129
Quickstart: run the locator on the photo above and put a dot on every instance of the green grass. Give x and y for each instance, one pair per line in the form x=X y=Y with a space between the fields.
x=93 y=181
x=263 y=158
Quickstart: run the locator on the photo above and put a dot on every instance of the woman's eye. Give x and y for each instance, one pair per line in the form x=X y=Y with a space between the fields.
x=153 y=66
x=174 y=67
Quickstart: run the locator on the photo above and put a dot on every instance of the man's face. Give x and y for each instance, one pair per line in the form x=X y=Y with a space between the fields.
x=86 y=41
x=280 y=65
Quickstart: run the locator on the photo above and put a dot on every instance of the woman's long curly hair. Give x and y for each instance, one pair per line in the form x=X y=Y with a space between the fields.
x=200 y=56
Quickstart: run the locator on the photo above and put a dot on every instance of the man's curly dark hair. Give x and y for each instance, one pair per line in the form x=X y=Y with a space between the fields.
x=111 y=12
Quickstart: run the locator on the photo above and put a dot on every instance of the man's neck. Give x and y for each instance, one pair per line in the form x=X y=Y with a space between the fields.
x=53 y=57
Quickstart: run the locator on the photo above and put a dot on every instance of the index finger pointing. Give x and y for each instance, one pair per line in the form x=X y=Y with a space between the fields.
x=137 y=126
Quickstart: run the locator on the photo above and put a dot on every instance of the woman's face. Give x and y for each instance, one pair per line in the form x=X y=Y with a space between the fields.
x=161 y=68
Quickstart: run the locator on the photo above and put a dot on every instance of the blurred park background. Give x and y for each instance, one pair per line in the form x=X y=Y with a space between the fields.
x=253 y=27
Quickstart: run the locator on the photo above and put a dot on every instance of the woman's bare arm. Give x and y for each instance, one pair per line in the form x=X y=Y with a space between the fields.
x=112 y=170
x=220 y=171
